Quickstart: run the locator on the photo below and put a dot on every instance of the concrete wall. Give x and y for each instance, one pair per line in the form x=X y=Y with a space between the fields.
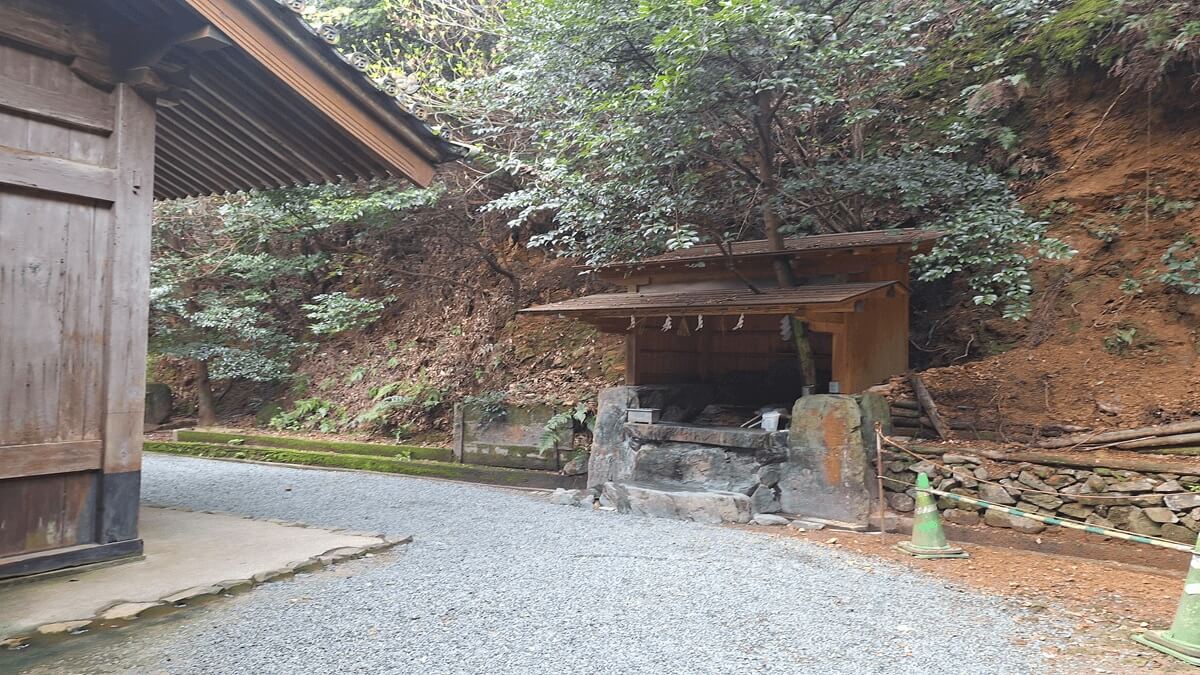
x=511 y=441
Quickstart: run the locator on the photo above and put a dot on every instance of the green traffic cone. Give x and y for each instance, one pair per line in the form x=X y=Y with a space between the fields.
x=1183 y=639
x=928 y=540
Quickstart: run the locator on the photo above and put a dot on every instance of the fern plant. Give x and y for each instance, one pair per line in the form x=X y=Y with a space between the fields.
x=562 y=421
x=311 y=414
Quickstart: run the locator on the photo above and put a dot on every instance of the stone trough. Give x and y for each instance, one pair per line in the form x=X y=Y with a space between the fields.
x=819 y=467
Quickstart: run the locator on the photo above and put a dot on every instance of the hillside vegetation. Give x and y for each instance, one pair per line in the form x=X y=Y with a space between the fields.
x=1054 y=142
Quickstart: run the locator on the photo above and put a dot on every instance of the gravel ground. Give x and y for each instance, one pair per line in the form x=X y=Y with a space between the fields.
x=504 y=582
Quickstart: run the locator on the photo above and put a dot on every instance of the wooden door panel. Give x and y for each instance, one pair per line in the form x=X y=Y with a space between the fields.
x=52 y=301
x=40 y=513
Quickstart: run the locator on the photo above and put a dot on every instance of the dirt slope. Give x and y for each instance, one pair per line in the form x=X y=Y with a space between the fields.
x=1126 y=186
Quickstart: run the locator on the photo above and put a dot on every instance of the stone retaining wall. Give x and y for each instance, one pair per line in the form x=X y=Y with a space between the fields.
x=510 y=439
x=1151 y=504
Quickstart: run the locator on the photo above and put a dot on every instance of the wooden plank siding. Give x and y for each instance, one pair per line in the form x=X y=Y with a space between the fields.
x=76 y=179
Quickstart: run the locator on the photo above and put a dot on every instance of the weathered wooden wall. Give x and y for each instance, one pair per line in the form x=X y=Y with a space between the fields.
x=754 y=365
x=76 y=174
x=856 y=349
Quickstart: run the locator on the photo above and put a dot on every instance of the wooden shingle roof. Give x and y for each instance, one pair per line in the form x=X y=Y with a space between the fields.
x=797 y=245
x=713 y=302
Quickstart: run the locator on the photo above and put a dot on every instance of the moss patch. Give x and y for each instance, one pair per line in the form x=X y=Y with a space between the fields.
x=474 y=474
x=319 y=445
x=1070 y=36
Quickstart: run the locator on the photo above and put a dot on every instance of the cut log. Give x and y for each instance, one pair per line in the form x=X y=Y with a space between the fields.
x=1185 y=427
x=1183 y=450
x=906 y=404
x=905 y=412
x=928 y=406
x=1065 y=428
x=1160 y=442
x=1126 y=461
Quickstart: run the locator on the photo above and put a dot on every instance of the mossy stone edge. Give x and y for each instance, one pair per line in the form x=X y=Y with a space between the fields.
x=462 y=472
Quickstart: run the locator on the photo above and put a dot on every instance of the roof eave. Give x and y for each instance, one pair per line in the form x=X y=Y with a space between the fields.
x=269 y=31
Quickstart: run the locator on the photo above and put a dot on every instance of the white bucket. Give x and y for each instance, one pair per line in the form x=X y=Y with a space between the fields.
x=770 y=421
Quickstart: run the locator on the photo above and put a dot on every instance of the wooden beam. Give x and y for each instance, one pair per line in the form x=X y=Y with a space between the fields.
x=147 y=52
x=49 y=27
x=51 y=174
x=197 y=173
x=308 y=132
x=95 y=73
x=40 y=459
x=200 y=153
x=244 y=29
x=279 y=167
x=87 y=113
x=187 y=120
x=72 y=556
x=222 y=106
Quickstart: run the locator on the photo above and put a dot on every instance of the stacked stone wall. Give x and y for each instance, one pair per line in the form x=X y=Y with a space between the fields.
x=1163 y=505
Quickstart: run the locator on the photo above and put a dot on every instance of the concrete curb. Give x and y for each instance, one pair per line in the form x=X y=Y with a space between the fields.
x=122 y=613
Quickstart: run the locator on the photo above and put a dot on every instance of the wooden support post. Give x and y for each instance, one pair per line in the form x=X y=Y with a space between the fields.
x=631 y=364
x=128 y=306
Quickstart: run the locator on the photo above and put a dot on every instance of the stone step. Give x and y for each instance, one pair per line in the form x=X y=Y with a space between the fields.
x=666 y=501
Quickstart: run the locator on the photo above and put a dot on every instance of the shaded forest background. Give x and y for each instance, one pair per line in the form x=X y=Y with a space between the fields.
x=1055 y=142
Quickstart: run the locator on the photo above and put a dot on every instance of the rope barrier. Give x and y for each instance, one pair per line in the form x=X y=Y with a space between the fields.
x=1055 y=520
x=1021 y=513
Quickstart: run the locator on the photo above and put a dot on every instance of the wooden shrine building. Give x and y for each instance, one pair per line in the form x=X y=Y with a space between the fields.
x=718 y=318
x=104 y=106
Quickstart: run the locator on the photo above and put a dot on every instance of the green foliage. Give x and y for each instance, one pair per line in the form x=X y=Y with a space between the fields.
x=986 y=233
x=229 y=273
x=1107 y=233
x=333 y=313
x=492 y=406
x=1165 y=206
x=356 y=375
x=1121 y=340
x=311 y=414
x=396 y=405
x=564 y=421
x=1182 y=261
x=1131 y=286
x=1070 y=36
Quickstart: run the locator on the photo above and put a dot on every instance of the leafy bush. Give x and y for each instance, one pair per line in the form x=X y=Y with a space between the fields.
x=311 y=414
x=333 y=313
x=1183 y=265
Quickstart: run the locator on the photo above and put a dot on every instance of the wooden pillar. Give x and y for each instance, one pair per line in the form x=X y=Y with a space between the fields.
x=128 y=292
x=631 y=358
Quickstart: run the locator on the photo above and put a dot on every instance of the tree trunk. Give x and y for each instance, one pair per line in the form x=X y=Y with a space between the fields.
x=206 y=411
x=808 y=367
x=773 y=224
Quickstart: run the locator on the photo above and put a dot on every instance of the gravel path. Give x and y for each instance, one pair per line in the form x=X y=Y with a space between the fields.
x=504 y=582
